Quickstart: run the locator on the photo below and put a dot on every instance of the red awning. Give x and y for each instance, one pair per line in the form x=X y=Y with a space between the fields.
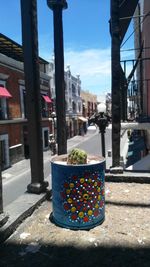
x=47 y=98
x=4 y=92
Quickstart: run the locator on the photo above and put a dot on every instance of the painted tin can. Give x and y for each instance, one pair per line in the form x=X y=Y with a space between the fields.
x=78 y=193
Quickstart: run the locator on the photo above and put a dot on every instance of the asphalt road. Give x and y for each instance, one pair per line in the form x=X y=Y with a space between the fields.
x=17 y=185
x=93 y=145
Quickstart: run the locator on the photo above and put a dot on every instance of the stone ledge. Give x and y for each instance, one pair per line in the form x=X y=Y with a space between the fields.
x=128 y=177
x=19 y=210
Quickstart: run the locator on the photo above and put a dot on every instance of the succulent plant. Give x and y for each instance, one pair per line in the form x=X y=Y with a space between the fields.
x=77 y=156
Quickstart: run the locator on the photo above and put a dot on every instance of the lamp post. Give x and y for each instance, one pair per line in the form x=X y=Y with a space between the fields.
x=101 y=120
x=57 y=6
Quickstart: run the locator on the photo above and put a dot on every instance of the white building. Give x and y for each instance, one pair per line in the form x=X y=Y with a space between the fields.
x=72 y=96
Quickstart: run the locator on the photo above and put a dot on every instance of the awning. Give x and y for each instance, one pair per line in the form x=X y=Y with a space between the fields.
x=82 y=119
x=47 y=98
x=4 y=92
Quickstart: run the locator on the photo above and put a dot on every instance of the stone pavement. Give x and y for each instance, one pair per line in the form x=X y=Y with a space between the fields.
x=123 y=240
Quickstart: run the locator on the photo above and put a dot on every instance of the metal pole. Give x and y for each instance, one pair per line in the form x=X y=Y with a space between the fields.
x=115 y=68
x=32 y=83
x=103 y=143
x=57 y=6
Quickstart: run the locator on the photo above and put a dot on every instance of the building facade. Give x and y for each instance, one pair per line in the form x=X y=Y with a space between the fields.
x=13 y=108
x=89 y=103
x=142 y=39
x=73 y=100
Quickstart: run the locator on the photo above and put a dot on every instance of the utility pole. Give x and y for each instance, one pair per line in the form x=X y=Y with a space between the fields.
x=32 y=84
x=115 y=83
x=57 y=6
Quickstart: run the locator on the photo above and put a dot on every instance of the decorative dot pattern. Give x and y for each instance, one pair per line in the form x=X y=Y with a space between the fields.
x=83 y=197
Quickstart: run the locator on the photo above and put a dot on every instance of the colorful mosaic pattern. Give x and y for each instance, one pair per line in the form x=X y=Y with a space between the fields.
x=83 y=197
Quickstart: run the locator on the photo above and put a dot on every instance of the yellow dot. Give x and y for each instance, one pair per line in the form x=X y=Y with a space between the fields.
x=90 y=212
x=71 y=185
x=68 y=191
x=99 y=197
x=96 y=206
x=81 y=214
x=85 y=196
x=98 y=189
x=90 y=180
x=82 y=180
x=73 y=209
x=95 y=184
x=69 y=200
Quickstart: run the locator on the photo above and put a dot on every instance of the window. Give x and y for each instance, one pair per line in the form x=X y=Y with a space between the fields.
x=44 y=108
x=74 y=106
x=45 y=135
x=78 y=91
x=3 y=104
x=23 y=102
x=79 y=107
x=73 y=90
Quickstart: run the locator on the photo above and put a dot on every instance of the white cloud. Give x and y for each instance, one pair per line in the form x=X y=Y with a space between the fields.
x=94 y=68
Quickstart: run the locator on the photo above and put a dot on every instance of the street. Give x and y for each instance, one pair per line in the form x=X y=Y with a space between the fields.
x=93 y=145
x=16 y=185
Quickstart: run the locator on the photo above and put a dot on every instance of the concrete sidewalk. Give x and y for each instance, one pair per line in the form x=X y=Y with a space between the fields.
x=123 y=240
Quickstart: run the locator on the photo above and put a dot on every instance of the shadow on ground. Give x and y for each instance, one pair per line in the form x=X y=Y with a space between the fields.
x=51 y=255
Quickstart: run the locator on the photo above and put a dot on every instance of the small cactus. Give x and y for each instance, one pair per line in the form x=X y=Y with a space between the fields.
x=77 y=157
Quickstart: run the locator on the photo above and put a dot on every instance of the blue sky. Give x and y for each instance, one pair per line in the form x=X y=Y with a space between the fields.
x=86 y=38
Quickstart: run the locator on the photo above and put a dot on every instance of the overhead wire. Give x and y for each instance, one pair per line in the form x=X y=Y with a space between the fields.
x=133 y=49
x=146 y=15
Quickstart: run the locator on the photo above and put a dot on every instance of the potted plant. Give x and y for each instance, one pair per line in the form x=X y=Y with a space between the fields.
x=78 y=196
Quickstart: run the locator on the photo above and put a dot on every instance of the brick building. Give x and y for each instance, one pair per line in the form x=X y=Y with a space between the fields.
x=13 y=116
x=89 y=102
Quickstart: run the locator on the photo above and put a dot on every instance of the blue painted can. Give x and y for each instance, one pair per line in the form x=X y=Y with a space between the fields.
x=78 y=193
